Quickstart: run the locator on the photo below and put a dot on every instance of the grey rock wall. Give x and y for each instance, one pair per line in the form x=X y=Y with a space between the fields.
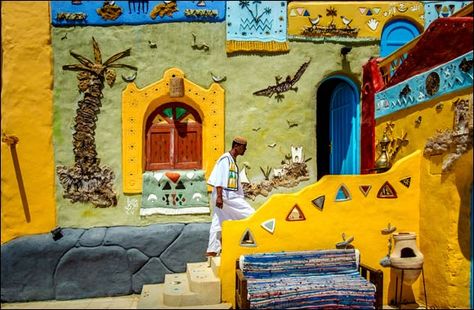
x=98 y=262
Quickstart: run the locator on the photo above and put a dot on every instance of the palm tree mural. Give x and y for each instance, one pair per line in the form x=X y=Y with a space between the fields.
x=87 y=181
x=333 y=13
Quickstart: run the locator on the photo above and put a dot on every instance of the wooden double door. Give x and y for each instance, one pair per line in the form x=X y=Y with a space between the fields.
x=173 y=138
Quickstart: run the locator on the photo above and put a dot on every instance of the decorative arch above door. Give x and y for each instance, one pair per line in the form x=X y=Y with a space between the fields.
x=205 y=106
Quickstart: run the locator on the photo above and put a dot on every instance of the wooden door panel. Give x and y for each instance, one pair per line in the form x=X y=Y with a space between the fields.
x=159 y=146
x=188 y=146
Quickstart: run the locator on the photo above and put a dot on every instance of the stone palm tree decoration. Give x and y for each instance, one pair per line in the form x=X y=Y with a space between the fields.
x=86 y=181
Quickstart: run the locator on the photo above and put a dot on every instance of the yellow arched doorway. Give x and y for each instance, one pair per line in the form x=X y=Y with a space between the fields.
x=138 y=105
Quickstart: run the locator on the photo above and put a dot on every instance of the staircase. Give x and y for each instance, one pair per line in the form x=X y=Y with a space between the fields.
x=198 y=288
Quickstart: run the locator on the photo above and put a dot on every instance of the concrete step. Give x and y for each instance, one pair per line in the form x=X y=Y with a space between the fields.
x=176 y=291
x=215 y=265
x=203 y=282
x=152 y=298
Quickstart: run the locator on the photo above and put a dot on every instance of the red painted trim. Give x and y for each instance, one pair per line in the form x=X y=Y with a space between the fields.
x=372 y=82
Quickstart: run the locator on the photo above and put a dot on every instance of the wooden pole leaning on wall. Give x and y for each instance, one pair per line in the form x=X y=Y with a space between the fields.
x=12 y=141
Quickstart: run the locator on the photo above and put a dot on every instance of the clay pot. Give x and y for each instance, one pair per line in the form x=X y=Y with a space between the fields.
x=407 y=256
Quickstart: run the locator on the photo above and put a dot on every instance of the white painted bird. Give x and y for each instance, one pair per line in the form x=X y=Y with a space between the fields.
x=346 y=21
x=314 y=22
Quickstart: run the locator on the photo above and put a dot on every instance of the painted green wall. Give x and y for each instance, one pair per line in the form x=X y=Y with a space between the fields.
x=244 y=111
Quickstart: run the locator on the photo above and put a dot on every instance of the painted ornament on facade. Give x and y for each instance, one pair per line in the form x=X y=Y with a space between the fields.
x=86 y=180
x=134 y=12
x=290 y=174
x=286 y=85
x=446 y=78
x=340 y=22
x=456 y=141
x=256 y=26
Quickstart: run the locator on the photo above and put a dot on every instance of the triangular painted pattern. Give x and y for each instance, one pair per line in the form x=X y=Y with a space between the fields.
x=295 y=214
x=319 y=202
x=406 y=182
x=247 y=239
x=343 y=193
x=387 y=191
x=365 y=189
x=269 y=225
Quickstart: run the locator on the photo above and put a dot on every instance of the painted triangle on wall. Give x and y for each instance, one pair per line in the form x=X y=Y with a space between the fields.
x=295 y=214
x=247 y=239
x=269 y=225
x=167 y=186
x=406 y=181
x=387 y=191
x=319 y=202
x=343 y=193
x=365 y=189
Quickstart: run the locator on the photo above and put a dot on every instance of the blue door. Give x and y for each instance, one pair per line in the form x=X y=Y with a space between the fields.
x=396 y=34
x=344 y=130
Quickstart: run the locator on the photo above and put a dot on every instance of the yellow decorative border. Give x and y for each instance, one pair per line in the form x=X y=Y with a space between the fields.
x=248 y=46
x=138 y=104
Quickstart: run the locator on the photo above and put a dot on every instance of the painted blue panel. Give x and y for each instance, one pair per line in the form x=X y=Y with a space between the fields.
x=441 y=9
x=136 y=12
x=344 y=130
x=256 y=21
x=395 y=34
x=451 y=78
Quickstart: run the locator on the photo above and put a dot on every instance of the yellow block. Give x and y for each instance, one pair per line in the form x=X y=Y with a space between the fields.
x=27 y=114
x=138 y=104
x=362 y=217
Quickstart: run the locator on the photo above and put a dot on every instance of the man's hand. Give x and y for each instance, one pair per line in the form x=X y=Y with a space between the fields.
x=219 y=201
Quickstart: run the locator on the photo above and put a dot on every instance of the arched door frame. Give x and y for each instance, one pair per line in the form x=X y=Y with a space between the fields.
x=139 y=103
x=395 y=19
x=355 y=86
x=197 y=125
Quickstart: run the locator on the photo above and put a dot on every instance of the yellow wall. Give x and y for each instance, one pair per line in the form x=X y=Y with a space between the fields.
x=444 y=202
x=382 y=12
x=138 y=104
x=361 y=217
x=27 y=114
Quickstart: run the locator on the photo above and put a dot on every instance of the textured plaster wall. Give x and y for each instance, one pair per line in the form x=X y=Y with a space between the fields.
x=445 y=205
x=362 y=217
x=27 y=114
x=244 y=111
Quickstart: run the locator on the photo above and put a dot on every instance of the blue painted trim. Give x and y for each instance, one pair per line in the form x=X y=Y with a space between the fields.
x=133 y=16
x=451 y=79
x=356 y=125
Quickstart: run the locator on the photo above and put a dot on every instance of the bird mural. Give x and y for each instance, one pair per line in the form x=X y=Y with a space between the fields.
x=315 y=21
x=346 y=21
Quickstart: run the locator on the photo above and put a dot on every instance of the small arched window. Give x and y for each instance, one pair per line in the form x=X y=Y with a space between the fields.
x=173 y=138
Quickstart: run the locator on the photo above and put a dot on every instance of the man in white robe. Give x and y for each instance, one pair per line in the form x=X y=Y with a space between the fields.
x=227 y=194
